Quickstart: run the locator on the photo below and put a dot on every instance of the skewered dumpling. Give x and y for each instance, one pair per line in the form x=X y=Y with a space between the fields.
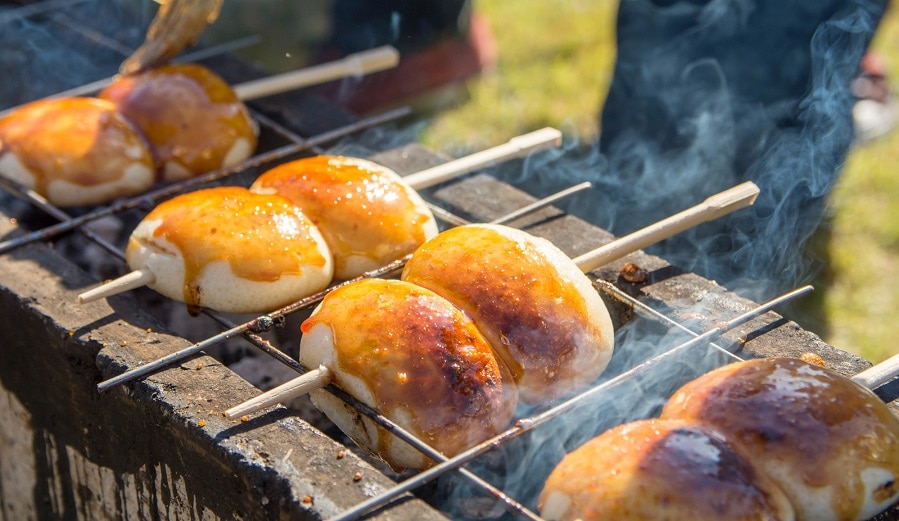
x=539 y=311
x=231 y=250
x=660 y=469
x=367 y=214
x=75 y=151
x=417 y=359
x=192 y=118
x=831 y=444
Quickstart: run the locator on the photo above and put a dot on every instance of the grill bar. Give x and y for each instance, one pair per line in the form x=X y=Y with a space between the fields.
x=41 y=203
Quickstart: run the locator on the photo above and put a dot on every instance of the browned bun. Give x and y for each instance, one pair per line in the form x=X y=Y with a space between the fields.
x=75 y=151
x=539 y=311
x=831 y=444
x=192 y=118
x=231 y=250
x=365 y=211
x=660 y=469
x=410 y=354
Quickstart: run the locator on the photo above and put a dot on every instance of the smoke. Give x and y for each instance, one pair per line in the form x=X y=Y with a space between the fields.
x=708 y=94
x=705 y=95
x=47 y=53
x=520 y=466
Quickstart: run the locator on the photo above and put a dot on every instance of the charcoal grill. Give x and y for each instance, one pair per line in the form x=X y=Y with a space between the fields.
x=159 y=447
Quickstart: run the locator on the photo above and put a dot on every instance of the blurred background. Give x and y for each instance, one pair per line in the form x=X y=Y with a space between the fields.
x=554 y=62
x=535 y=63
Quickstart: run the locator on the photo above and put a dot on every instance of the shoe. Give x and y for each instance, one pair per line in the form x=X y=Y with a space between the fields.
x=876 y=111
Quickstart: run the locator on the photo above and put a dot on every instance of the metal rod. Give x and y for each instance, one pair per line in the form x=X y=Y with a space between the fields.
x=151 y=367
x=39 y=201
x=653 y=314
x=37 y=8
x=543 y=203
x=527 y=424
x=90 y=33
x=175 y=188
x=201 y=54
x=521 y=212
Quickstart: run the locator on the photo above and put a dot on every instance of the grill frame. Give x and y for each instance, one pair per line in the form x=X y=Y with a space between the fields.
x=255 y=469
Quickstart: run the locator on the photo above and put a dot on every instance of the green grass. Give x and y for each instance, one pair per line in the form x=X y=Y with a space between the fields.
x=555 y=59
x=861 y=299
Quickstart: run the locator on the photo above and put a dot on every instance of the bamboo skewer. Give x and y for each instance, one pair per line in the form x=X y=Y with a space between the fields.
x=358 y=64
x=879 y=374
x=713 y=207
x=304 y=384
x=133 y=280
x=516 y=147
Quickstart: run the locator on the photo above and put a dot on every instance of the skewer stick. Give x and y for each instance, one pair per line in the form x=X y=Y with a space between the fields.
x=715 y=206
x=516 y=147
x=358 y=64
x=126 y=282
x=879 y=374
x=712 y=208
x=308 y=382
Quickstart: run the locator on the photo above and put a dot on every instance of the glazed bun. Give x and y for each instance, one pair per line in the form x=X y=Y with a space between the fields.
x=831 y=444
x=75 y=151
x=231 y=250
x=366 y=212
x=660 y=469
x=539 y=311
x=193 y=120
x=410 y=354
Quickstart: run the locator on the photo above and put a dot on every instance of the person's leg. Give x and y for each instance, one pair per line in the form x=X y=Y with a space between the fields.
x=708 y=94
